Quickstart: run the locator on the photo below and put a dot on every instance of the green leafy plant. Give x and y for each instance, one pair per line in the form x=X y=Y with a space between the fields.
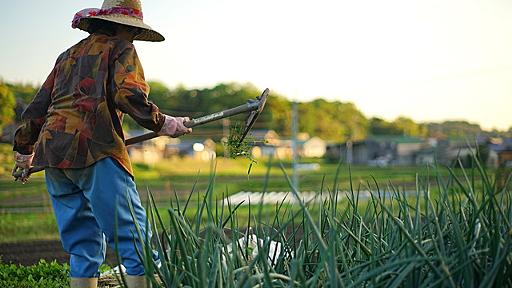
x=40 y=275
x=240 y=148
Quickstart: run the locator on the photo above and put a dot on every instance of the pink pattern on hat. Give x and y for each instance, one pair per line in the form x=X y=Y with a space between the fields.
x=91 y=12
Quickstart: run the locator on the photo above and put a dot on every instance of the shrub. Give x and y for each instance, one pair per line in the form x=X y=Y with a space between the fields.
x=40 y=275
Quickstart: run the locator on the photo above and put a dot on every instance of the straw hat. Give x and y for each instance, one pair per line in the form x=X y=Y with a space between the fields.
x=126 y=12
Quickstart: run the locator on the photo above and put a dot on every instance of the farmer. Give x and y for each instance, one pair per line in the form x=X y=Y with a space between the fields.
x=72 y=127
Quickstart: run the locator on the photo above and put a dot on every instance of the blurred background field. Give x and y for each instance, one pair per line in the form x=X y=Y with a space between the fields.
x=306 y=139
x=26 y=213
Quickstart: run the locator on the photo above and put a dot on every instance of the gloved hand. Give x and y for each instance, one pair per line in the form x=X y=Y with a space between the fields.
x=22 y=164
x=174 y=126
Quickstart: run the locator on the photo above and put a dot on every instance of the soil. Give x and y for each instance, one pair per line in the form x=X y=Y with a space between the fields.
x=29 y=253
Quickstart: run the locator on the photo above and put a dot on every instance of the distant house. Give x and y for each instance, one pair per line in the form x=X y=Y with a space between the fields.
x=314 y=147
x=149 y=151
x=198 y=149
x=268 y=142
x=179 y=148
x=449 y=151
x=426 y=155
x=361 y=152
x=205 y=150
x=500 y=157
x=378 y=150
x=407 y=149
x=154 y=150
x=500 y=153
x=505 y=158
x=265 y=136
x=457 y=149
x=281 y=151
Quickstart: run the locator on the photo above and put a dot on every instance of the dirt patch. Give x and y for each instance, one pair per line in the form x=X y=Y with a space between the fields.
x=29 y=253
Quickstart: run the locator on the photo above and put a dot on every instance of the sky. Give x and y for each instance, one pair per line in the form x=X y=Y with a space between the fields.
x=430 y=60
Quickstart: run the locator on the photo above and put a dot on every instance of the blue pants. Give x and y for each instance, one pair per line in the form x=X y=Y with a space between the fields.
x=85 y=202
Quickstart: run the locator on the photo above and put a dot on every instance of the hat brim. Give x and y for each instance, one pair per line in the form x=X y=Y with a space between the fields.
x=147 y=34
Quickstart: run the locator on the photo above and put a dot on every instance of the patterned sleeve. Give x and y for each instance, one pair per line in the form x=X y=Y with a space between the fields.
x=131 y=91
x=33 y=117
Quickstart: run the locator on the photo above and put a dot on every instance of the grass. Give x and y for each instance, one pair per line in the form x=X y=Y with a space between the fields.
x=178 y=174
x=27 y=210
x=28 y=227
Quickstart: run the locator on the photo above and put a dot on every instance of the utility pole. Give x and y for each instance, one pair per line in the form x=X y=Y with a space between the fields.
x=295 y=173
x=349 y=151
x=225 y=135
x=349 y=157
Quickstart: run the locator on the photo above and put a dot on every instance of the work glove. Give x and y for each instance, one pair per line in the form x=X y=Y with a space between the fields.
x=22 y=164
x=174 y=126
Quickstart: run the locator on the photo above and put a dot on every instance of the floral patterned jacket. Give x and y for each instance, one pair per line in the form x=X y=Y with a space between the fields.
x=75 y=118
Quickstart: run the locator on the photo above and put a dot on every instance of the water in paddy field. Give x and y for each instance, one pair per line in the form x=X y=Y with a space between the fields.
x=308 y=197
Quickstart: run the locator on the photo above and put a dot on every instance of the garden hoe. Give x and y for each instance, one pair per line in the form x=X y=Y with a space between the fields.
x=253 y=106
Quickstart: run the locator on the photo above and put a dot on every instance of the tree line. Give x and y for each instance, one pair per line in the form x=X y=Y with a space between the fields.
x=330 y=120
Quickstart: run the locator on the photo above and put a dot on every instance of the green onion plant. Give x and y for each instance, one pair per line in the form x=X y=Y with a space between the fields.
x=454 y=231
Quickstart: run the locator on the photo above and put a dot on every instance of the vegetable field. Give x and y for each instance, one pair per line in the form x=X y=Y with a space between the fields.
x=451 y=229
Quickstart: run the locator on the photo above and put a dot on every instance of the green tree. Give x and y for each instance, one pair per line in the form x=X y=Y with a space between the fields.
x=23 y=92
x=318 y=119
x=356 y=124
x=400 y=126
x=453 y=129
x=378 y=126
x=7 y=104
x=276 y=115
x=227 y=95
x=332 y=120
x=408 y=127
x=161 y=95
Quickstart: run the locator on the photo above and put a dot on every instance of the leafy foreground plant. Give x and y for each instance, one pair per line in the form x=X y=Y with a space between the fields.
x=40 y=275
x=462 y=237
